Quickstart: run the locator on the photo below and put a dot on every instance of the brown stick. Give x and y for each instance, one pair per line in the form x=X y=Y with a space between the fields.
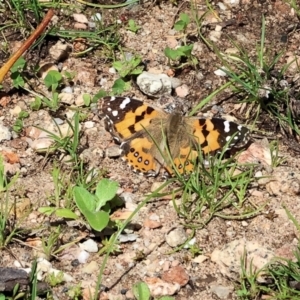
x=38 y=31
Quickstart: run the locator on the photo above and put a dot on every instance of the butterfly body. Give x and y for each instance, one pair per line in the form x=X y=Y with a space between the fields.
x=152 y=139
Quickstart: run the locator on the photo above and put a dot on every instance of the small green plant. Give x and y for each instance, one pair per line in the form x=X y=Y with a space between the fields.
x=51 y=243
x=87 y=99
x=141 y=292
x=128 y=66
x=215 y=185
x=62 y=194
x=132 y=26
x=69 y=142
x=18 y=126
x=185 y=51
x=8 y=228
x=248 y=288
x=182 y=23
x=55 y=279
x=276 y=159
x=17 y=73
x=180 y=52
x=280 y=276
x=253 y=80
x=109 y=245
x=52 y=80
x=120 y=86
x=36 y=104
x=5 y=184
x=194 y=250
x=96 y=207
x=295 y=5
x=75 y=292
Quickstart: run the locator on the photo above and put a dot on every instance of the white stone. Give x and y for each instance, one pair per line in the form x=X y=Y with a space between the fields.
x=112 y=70
x=154 y=85
x=220 y=72
x=190 y=243
x=81 y=18
x=43 y=265
x=67 y=89
x=221 y=5
x=215 y=35
x=89 y=124
x=41 y=144
x=83 y=257
x=89 y=246
x=4 y=133
x=231 y=3
x=96 y=17
x=176 y=237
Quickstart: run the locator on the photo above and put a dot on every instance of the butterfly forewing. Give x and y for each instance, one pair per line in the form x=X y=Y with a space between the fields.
x=126 y=116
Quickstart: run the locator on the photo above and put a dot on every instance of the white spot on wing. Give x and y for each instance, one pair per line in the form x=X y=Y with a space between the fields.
x=227 y=138
x=125 y=102
x=114 y=113
x=226 y=126
x=108 y=109
x=112 y=98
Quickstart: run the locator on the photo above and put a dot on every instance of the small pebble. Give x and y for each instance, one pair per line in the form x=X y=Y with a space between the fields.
x=4 y=133
x=89 y=124
x=220 y=72
x=66 y=98
x=81 y=18
x=75 y=263
x=89 y=246
x=91 y=268
x=67 y=90
x=222 y=292
x=113 y=151
x=182 y=91
x=154 y=84
x=15 y=111
x=96 y=17
x=83 y=257
x=80 y=26
x=112 y=70
x=176 y=237
x=79 y=100
x=200 y=259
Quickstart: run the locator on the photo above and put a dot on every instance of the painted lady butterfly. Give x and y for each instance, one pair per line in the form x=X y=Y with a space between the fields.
x=149 y=136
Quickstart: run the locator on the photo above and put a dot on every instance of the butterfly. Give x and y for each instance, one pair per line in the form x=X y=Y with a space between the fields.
x=151 y=139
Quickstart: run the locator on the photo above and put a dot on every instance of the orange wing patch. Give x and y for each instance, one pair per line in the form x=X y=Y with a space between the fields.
x=139 y=156
x=136 y=121
x=206 y=135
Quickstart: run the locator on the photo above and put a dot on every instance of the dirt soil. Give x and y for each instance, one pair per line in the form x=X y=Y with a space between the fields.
x=240 y=23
